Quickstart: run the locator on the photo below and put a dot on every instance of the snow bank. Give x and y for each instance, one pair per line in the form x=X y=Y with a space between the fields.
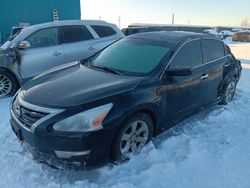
x=211 y=150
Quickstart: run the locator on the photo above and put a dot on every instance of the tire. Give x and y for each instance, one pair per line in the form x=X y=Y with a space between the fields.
x=135 y=133
x=228 y=91
x=8 y=84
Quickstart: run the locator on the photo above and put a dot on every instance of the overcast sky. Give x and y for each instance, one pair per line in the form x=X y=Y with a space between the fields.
x=195 y=12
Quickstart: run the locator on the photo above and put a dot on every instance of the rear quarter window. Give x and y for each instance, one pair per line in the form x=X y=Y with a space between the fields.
x=213 y=49
x=103 y=31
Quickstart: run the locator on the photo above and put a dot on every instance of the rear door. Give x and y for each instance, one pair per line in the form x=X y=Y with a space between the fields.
x=185 y=94
x=215 y=61
x=77 y=42
x=44 y=53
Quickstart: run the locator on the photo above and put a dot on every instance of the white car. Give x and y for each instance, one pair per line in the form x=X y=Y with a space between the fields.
x=38 y=48
x=214 y=33
x=226 y=33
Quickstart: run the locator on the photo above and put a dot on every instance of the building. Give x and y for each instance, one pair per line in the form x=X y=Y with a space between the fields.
x=30 y=12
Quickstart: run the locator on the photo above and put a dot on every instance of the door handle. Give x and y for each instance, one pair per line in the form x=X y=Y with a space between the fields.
x=204 y=76
x=56 y=53
x=227 y=64
x=91 y=48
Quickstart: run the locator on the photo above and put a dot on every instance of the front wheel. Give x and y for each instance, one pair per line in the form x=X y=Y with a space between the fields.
x=228 y=91
x=8 y=84
x=132 y=137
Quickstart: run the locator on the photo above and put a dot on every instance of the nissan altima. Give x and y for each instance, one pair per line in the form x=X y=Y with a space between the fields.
x=107 y=107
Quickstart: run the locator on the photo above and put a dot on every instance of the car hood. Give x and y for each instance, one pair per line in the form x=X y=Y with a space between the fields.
x=75 y=85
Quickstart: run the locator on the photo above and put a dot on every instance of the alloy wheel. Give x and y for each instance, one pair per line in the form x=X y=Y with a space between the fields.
x=5 y=85
x=134 y=138
x=230 y=91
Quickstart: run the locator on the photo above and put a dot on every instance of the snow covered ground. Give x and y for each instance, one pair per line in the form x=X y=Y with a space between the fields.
x=211 y=150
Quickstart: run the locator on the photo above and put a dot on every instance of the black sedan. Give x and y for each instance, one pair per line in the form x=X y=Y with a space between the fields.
x=106 y=108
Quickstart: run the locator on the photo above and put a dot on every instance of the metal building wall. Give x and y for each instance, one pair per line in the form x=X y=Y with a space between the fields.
x=13 y=12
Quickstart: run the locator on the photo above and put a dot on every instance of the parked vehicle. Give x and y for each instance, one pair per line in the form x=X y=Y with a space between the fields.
x=117 y=100
x=134 y=30
x=41 y=47
x=237 y=30
x=213 y=33
x=225 y=34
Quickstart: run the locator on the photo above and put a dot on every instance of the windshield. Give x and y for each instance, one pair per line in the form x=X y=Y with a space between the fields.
x=136 y=56
x=15 y=39
x=5 y=45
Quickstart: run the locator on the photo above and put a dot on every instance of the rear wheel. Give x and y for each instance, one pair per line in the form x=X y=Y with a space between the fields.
x=228 y=91
x=8 y=84
x=133 y=136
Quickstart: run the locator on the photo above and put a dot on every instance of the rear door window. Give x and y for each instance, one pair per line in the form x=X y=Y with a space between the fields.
x=213 y=49
x=190 y=55
x=103 y=31
x=72 y=34
x=43 y=38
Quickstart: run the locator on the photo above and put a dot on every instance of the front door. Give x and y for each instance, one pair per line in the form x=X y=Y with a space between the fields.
x=184 y=94
x=44 y=53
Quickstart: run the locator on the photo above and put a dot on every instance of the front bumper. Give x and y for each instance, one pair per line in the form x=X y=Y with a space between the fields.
x=79 y=151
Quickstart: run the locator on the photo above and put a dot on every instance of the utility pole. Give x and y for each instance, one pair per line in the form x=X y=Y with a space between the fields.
x=119 y=20
x=173 y=18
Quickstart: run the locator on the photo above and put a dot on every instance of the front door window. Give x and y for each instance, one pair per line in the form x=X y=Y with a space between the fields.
x=43 y=38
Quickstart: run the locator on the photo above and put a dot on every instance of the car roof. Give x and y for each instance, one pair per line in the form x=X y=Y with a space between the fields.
x=68 y=22
x=29 y=30
x=173 y=37
x=36 y=27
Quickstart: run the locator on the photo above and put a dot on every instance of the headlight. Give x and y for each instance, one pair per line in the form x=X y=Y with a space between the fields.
x=90 y=120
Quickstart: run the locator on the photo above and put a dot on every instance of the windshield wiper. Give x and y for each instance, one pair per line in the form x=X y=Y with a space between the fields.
x=106 y=69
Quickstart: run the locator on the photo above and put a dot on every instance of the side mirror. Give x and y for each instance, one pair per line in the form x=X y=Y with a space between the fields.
x=24 y=44
x=179 y=71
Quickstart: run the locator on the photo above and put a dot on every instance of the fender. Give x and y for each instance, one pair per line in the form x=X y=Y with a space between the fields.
x=149 y=102
x=9 y=62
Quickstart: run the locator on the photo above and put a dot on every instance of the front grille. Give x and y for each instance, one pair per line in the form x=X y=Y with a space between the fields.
x=26 y=116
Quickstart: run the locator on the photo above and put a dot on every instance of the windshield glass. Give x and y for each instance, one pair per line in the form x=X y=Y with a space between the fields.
x=15 y=39
x=136 y=56
x=5 y=45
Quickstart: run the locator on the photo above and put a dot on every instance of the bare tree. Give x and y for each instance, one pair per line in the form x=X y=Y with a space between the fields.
x=245 y=22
